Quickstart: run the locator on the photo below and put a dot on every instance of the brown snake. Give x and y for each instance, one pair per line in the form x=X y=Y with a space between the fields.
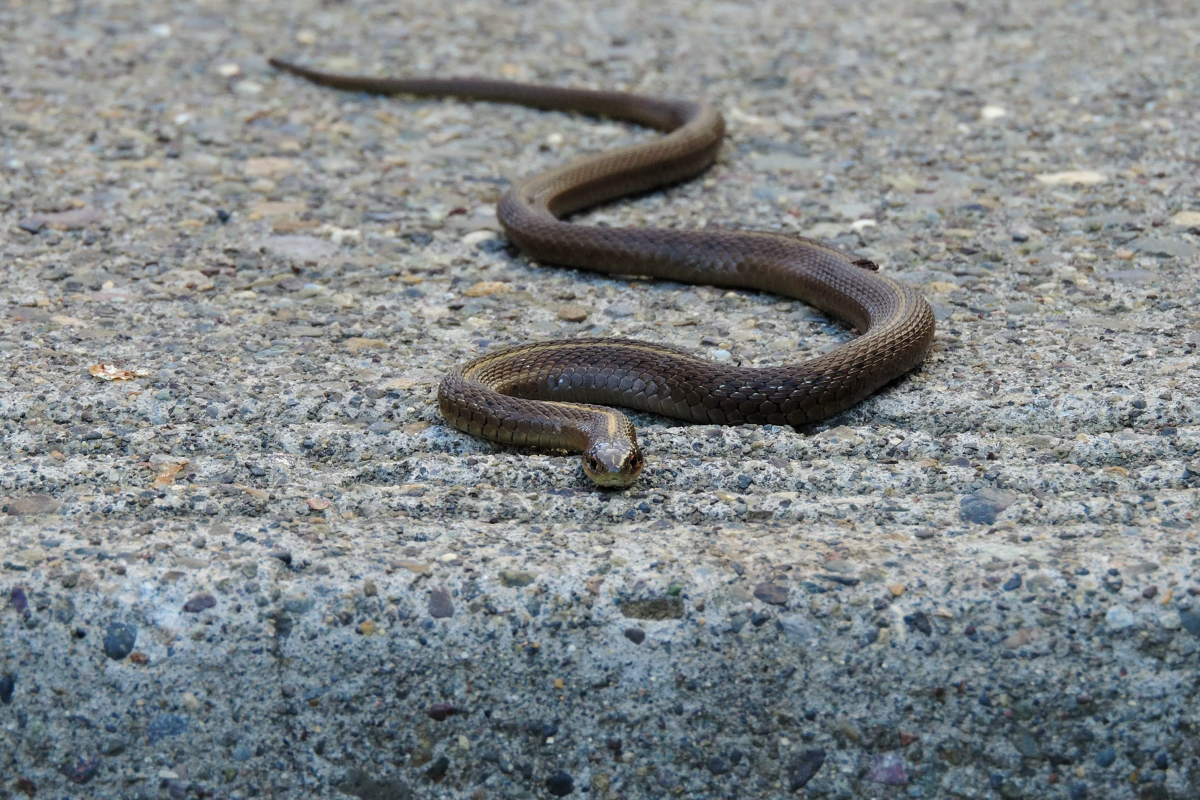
x=552 y=394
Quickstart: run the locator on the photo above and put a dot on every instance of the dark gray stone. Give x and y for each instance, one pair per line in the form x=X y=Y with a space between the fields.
x=1170 y=248
x=772 y=594
x=560 y=784
x=119 y=640
x=32 y=505
x=165 y=725
x=804 y=768
x=985 y=505
x=1027 y=745
x=441 y=604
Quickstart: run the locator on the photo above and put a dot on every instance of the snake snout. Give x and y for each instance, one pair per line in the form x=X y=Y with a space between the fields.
x=613 y=464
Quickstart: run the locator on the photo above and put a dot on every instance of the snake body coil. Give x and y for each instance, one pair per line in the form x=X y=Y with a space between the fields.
x=552 y=394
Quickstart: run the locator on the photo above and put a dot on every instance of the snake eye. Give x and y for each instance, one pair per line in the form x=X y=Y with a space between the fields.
x=593 y=463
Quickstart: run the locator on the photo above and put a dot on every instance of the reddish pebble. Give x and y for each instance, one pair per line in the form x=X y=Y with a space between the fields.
x=439 y=711
x=1149 y=592
x=907 y=738
x=199 y=603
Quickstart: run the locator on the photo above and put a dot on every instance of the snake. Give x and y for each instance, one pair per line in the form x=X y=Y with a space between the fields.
x=560 y=394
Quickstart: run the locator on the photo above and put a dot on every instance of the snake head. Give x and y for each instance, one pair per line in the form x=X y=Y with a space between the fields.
x=613 y=464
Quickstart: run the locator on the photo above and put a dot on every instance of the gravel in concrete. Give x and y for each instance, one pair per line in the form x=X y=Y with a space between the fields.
x=241 y=556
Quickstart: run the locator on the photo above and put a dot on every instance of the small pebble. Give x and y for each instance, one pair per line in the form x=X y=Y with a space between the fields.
x=1190 y=620
x=199 y=603
x=441 y=604
x=165 y=725
x=82 y=770
x=1118 y=618
x=573 y=313
x=804 y=768
x=437 y=770
x=635 y=635
x=1027 y=745
x=119 y=640
x=888 y=769
x=920 y=622
x=560 y=784
x=20 y=603
x=516 y=578
x=985 y=505
x=772 y=594
x=440 y=711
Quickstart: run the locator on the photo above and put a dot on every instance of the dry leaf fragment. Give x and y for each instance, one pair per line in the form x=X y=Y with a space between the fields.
x=166 y=474
x=902 y=182
x=110 y=372
x=276 y=208
x=1082 y=177
x=184 y=281
x=268 y=167
x=484 y=288
x=63 y=220
x=356 y=344
x=63 y=319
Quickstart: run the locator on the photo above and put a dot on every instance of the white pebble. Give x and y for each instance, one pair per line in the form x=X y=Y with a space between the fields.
x=248 y=88
x=475 y=237
x=1119 y=618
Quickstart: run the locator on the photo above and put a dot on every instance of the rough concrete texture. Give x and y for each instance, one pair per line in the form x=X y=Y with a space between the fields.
x=255 y=563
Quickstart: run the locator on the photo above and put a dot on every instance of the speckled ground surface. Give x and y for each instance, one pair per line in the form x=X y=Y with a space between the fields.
x=256 y=564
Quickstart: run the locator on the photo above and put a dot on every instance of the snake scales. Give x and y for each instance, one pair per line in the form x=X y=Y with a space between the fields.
x=553 y=394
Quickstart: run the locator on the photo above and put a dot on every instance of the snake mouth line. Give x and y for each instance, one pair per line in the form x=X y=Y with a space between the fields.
x=556 y=395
